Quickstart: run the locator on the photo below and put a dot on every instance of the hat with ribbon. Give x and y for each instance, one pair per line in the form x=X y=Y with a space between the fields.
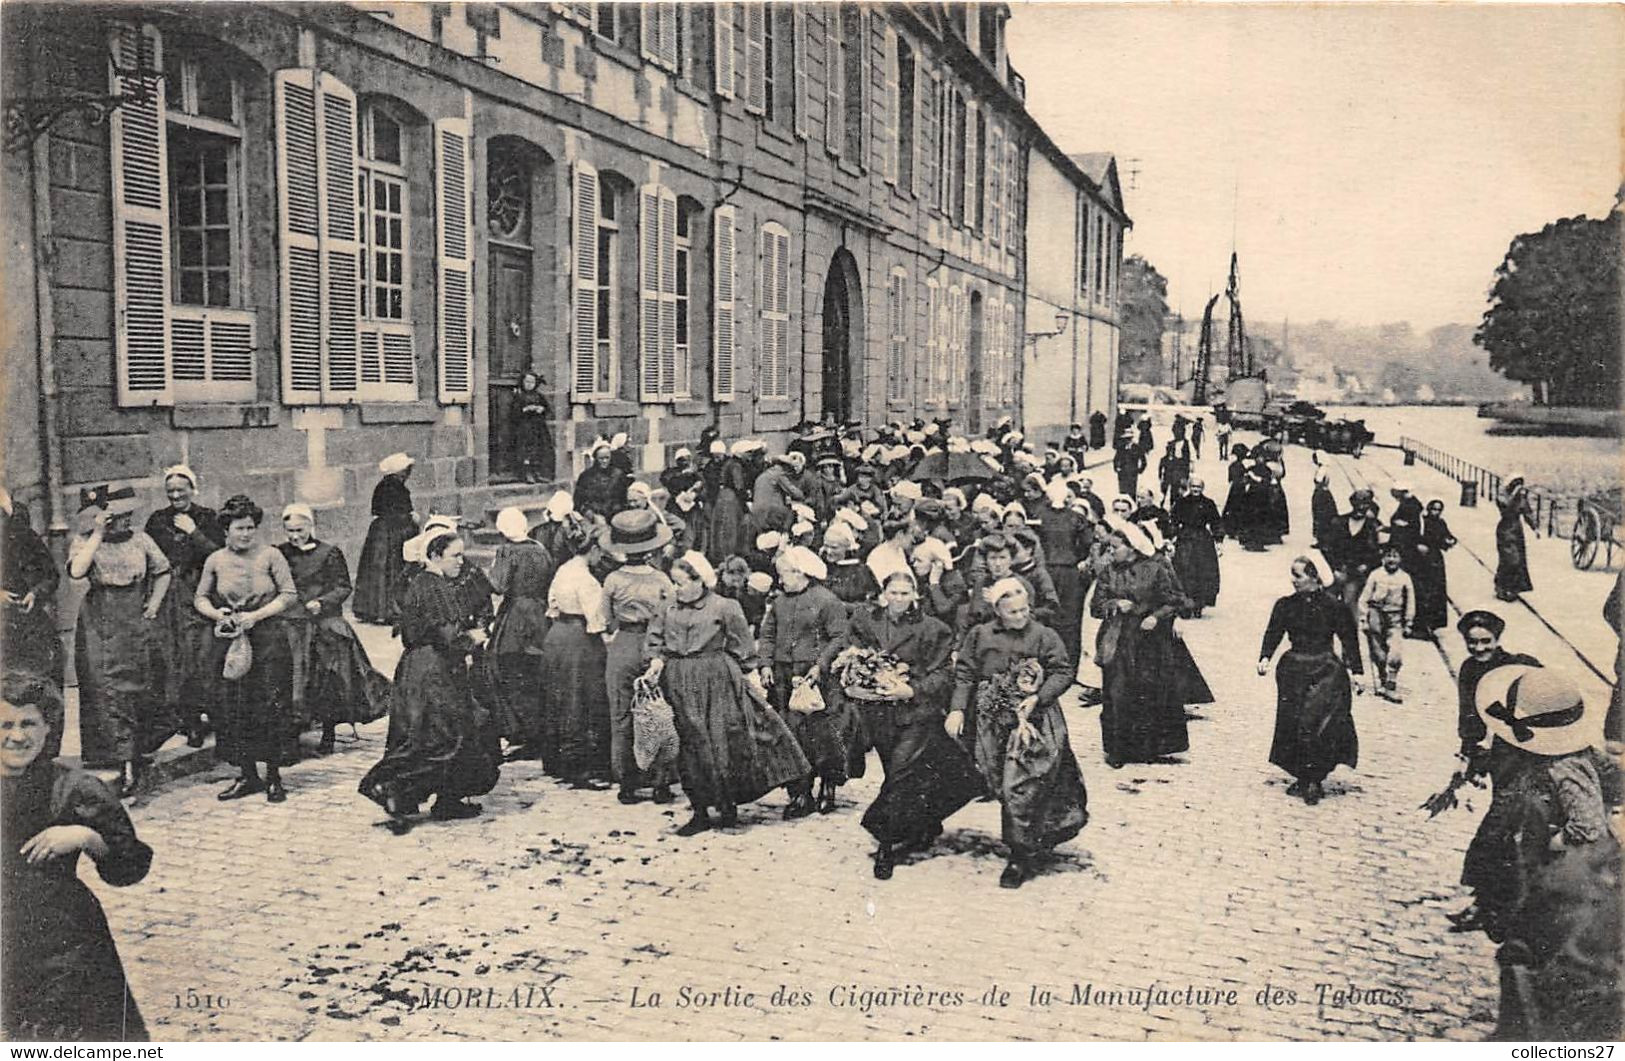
x=117 y=501
x=1537 y=710
x=635 y=532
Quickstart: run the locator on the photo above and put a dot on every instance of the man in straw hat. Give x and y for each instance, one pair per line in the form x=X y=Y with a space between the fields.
x=633 y=594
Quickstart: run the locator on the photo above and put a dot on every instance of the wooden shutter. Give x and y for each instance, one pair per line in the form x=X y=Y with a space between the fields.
x=667 y=15
x=798 y=45
x=668 y=294
x=834 y=98
x=723 y=21
x=649 y=388
x=140 y=221
x=773 y=379
x=455 y=254
x=973 y=156
x=341 y=248
x=299 y=203
x=722 y=317
x=915 y=149
x=930 y=132
x=584 y=226
x=649 y=31
x=1012 y=190
x=756 y=16
x=890 y=136
x=995 y=183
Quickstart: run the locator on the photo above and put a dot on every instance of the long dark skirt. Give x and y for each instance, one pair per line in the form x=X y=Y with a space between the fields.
x=1314 y=716
x=1145 y=681
x=826 y=737
x=732 y=750
x=1196 y=561
x=727 y=529
x=63 y=979
x=112 y=656
x=1038 y=783
x=1512 y=561
x=575 y=703
x=333 y=677
x=623 y=662
x=1432 y=602
x=928 y=774
x=1070 y=590
x=181 y=636
x=440 y=742
x=377 y=575
x=255 y=719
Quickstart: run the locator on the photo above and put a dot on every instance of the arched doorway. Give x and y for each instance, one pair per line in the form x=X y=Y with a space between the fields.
x=843 y=335
x=518 y=224
x=974 y=344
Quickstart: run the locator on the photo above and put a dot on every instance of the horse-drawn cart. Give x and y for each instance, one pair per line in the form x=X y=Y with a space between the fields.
x=1596 y=524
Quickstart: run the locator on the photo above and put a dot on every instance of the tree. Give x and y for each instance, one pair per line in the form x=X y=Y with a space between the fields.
x=1142 y=314
x=1554 y=316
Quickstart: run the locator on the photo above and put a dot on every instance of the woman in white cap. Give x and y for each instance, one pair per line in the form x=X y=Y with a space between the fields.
x=1314 y=705
x=804 y=628
x=333 y=678
x=849 y=577
x=601 y=487
x=1142 y=715
x=1198 y=531
x=440 y=742
x=732 y=749
x=774 y=491
x=393 y=521
x=1512 y=560
x=1014 y=671
x=575 y=703
x=128 y=576
x=522 y=573
x=187 y=532
x=634 y=592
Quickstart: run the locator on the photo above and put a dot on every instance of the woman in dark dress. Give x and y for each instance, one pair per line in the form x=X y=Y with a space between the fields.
x=393 y=522
x=1512 y=561
x=1146 y=681
x=727 y=534
x=333 y=677
x=1198 y=530
x=533 y=438
x=113 y=649
x=28 y=583
x=1064 y=537
x=928 y=775
x=187 y=532
x=1314 y=717
x=1017 y=670
x=441 y=743
x=1432 y=592
x=601 y=487
x=732 y=747
x=243 y=591
x=62 y=979
x=522 y=573
x=575 y=700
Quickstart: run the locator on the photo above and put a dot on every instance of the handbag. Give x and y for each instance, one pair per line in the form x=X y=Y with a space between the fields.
x=239 y=658
x=805 y=699
x=654 y=729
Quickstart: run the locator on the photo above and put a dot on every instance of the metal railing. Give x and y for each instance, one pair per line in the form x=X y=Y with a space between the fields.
x=1554 y=515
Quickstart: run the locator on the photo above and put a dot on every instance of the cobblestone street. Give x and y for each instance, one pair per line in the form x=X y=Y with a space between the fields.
x=563 y=913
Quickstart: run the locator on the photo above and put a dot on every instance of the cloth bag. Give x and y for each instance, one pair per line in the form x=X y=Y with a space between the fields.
x=805 y=699
x=654 y=730
x=239 y=657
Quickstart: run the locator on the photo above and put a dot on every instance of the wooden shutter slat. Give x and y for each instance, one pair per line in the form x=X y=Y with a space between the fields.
x=668 y=294
x=756 y=56
x=139 y=158
x=455 y=259
x=722 y=287
x=584 y=223
x=340 y=250
x=649 y=292
x=722 y=17
x=299 y=202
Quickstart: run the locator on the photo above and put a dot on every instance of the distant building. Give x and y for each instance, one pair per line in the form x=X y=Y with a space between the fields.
x=1074 y=258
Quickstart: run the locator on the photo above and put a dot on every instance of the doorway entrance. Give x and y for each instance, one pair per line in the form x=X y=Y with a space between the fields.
x=512 y=169
x=843 y=335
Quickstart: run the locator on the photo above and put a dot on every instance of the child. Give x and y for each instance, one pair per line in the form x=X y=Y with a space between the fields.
x=1388 y=606
x=736 y=584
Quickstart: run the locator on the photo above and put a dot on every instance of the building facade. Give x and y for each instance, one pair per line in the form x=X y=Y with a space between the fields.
x=1070 y=368
x=278 y=242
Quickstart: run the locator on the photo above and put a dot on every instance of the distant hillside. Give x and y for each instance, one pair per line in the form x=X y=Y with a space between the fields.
x=1387 y=362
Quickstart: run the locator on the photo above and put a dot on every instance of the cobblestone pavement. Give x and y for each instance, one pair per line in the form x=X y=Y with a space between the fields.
x=564 y=914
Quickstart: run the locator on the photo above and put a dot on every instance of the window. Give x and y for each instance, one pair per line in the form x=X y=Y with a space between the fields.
x=658 y=269
x=662 y=35
x=994 y=189
x=989 y=42
x=204 y=128
x=595 y=232
x=608 y=239
x=687 y=212
x=1012 y=187
x=854 y=40
x=381 y=215
x=603 y=23
x=774 y=371
x=723 y=230
x=930 y=135
x=956 y=155
x=897 y=335
x=907 y=118
x=1100 y=256
x=926 y=372
x=801 y=74
x=1081 y=245
x=722 y=62
x=976 y=146
x=834 y=82
x=758 y=62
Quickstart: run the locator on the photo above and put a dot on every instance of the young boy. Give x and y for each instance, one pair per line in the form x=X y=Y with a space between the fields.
x=1388 y=606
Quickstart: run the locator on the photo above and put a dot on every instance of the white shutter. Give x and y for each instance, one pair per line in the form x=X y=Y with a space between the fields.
x=781 y=309
x=340 y=243
x=584 y=335
x=798 y=37
x=1012 y=189
x=995 y=183
x=973 y=155
x=722 y=292
x=756 y=16
x=140 y=221
x=767 y=369
x=649 y=293
x=947 y=139
x=455 y=253
x=722 y=16
x=299 y=220
x=668 y=296
x=834 y=98
x=890 y=136
x=668 y=14
x=930 y=137
x=649 y=31
x=915 y=186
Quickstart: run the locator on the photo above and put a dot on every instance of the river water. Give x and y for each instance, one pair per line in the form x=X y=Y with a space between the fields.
x=1558 y=464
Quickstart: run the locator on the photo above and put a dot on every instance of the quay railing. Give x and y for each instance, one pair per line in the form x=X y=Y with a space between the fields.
x=1554 y=515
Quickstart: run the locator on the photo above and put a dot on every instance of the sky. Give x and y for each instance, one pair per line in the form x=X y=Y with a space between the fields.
x=1368 y=162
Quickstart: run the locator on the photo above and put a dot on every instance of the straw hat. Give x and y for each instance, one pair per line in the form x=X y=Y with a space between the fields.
x=635 y=532
x=1537 y=710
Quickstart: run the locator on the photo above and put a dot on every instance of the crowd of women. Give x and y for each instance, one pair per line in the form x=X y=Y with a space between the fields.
x=757 y=623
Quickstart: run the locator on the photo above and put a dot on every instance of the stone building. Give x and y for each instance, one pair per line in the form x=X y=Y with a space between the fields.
x=1070 y=369
x=279 y=241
